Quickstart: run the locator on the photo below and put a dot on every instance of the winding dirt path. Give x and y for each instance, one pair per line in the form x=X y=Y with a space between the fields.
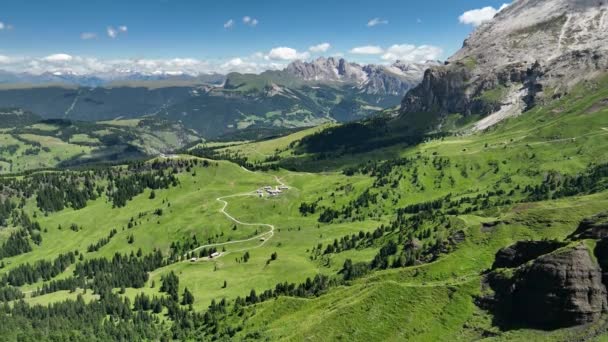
x=263 y=238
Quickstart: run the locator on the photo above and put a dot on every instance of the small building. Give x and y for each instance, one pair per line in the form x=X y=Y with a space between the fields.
x=214 y=255
x=283 y=187
x=262 y=239
x=192 y=259
x=267 y=187
x=273 y=192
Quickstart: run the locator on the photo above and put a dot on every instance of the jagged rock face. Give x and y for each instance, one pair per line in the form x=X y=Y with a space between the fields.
x=442 y=90
x=595 y=227
x=568 y=39
x=395 y=79
x=601 y=253
x=559 y=289
x=522 y=252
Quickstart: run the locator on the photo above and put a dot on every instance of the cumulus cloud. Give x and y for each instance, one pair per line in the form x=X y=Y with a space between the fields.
x=239 y=65
x=478 y=16
x=114 y=32
x=229 y=24
x=367 y=50
x=58 y=58
x=247 y=20
x=88 y=35
x=323 y=47
x=376 y=21
x=286 y=54
x=5 y=26
x=112 y=68
x=412 y=53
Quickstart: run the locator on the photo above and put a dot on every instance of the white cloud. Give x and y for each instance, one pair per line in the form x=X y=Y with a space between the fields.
x=286 y=54
x=412 y=53
x=255 y=63
x=478 y=16
x=58 y=58
x=112 y=33
x=367 y=50
x=112 y=68
x=229 y=24
x=376 y=21
x=247 y=20
x=5 y=26
x=88 y=35
x=323 y=47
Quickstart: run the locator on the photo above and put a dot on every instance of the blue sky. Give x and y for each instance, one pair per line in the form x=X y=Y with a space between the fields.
x=200 y=30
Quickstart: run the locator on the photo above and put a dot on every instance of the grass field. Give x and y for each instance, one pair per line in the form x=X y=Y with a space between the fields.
x=51 y=145
x=427 y=302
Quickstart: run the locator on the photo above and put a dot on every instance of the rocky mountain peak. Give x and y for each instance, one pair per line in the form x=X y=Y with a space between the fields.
x=506 y=63
x=395 y=79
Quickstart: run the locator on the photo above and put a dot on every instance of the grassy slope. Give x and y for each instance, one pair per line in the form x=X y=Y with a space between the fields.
x=565 y=136
x=84 y=141
x=194 y=210
x=428 y=302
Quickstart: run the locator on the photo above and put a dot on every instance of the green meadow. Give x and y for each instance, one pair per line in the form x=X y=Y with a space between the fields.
x=432 y=300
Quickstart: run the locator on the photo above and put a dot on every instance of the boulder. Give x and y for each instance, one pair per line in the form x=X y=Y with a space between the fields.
x=560 y=289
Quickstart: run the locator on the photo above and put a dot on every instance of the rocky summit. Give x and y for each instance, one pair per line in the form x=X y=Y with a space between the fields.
x=394 y=79
x=530 y=51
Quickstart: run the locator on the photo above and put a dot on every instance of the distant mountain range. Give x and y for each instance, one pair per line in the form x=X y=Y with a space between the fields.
x=395 y=79
x=100 y=80
x=302 y=94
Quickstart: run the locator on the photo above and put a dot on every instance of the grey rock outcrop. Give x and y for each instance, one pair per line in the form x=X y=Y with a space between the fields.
x=395 y=79
x=595 y=227
x=530 y=46
x=522 y=252
x=560 y=289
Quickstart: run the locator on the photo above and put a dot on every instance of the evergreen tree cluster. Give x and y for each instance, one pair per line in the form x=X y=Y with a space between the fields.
x=556 y=185
x=122 y=271
x=9 y=293
x=170 y=285
x=102 y=242
x=124 y=187
x=110 y=319
x=40 y=270
x=17 y=243
x=6 y=209
x=69 y=284
x=56 y=191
